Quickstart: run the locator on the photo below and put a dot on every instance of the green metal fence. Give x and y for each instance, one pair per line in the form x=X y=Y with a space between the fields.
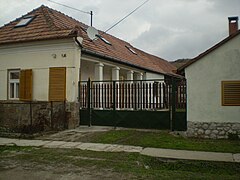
x=135 y=104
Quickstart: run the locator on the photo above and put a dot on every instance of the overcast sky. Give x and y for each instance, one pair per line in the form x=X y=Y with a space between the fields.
x=170 y=29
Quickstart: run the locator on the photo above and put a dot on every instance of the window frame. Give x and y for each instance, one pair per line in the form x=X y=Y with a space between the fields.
x=104 y=39
x=131 y=50
x=14 y=82
x=24 y=21
x=223 y=95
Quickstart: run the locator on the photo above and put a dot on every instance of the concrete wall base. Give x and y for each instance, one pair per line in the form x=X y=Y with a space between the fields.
x=35 y=116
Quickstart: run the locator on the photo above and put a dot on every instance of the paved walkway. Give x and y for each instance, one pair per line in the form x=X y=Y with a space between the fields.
x=155 y=152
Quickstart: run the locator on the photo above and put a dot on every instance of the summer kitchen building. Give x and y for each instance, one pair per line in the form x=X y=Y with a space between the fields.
x=45 y=53
x=213 y=88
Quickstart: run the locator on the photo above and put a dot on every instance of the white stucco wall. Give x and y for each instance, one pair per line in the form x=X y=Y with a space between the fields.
x=153 y=76
x=204 y=79
x=39 y=56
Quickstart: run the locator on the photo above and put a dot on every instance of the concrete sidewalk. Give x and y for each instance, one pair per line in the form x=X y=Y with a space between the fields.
x=154 y=152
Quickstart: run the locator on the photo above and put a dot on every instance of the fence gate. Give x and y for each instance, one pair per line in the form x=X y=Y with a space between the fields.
x=152 y=104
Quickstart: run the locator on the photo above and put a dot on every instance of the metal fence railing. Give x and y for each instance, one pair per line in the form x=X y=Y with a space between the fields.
x=131 y=95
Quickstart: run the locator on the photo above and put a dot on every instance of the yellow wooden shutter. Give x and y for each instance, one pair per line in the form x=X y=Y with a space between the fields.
x=25 y=87
x=231 y=93
x=57 y=84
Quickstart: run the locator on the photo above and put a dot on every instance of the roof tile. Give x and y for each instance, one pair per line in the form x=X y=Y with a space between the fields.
x=52 y=24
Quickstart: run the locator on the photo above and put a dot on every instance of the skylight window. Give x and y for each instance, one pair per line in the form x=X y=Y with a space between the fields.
x=24 y=21
x=103 y=39
x=130 y=49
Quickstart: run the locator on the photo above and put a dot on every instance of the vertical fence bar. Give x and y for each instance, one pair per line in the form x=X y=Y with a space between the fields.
x=114 y=103
x=136 y=95
x=139 y=102
x=125 y=92
x=129 y=96
x=122 y=94
x=160 y=95
x=89 y=101
x=117 y=95
x=156 y=90
x=114 y=95
x=150 y=95
x=132 y=96
x=105 y=96
x=102 y=98
x=99 y=95
x=146 y=95
x=173 y=104
x=180 y=95
x=177 y=94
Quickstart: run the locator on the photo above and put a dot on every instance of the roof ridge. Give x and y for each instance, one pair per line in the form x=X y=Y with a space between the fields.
x=48 y=19
x=51 y=9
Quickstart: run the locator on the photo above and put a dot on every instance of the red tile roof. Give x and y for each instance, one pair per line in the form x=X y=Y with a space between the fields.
x=52 y=24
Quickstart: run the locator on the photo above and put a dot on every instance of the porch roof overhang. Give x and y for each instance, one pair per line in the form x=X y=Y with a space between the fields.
x=112 y=59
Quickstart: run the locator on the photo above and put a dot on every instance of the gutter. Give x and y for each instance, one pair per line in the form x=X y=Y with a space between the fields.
x=108 y=58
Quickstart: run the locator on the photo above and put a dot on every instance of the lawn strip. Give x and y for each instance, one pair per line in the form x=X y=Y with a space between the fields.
x=163 y=139
x=132 y=164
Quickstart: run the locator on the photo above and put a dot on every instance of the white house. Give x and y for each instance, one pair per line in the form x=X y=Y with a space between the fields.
x=213 y=88
x=45 y=53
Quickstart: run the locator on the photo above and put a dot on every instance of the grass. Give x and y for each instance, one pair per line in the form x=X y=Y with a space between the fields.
x=128 y=164
x=162 y=139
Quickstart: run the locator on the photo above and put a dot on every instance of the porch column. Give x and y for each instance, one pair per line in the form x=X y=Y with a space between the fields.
x=98 y=76
x=128 y=89
x=130 y=75
x=139 y=95
x=144 y=76
x=115 y=77
x=115 y=73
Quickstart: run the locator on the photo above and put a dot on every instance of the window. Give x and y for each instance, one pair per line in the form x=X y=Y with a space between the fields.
x=130 y=49
x=103 y=39
x=24 y=21
x=13 y=87
x=231 y=93
x=57 y=84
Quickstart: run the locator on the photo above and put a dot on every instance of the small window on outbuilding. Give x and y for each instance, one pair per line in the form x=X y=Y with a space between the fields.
x=24 y=21
x=231 y=93
x=103 y=39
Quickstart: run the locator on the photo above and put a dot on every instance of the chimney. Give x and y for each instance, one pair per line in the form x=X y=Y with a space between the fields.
x=233 y=25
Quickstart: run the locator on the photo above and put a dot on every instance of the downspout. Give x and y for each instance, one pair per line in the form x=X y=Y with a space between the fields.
x=79 y=41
